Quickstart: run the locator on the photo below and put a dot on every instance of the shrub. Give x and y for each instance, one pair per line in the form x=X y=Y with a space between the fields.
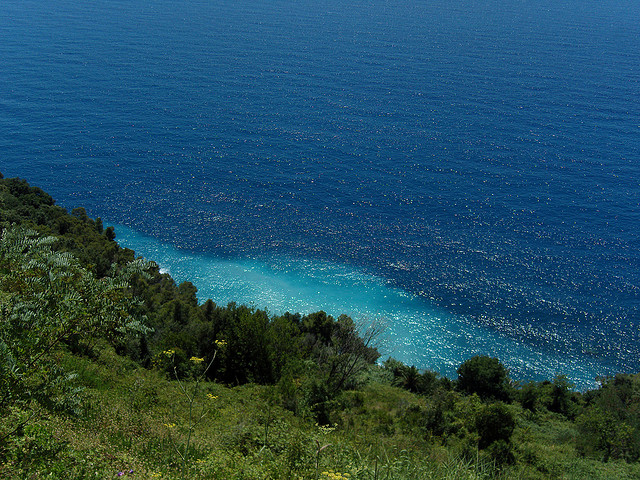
x=495 y=422
x=486 y=377
x=50 y=300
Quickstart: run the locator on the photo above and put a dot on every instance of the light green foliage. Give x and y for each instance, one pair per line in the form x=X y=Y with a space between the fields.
x=232 y=441
x=50 y=300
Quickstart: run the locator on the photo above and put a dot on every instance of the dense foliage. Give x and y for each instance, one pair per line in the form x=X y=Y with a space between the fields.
x=50 y=299
x=300 y=392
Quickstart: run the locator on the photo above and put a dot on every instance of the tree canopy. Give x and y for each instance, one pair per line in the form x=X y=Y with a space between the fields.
x=484 y=376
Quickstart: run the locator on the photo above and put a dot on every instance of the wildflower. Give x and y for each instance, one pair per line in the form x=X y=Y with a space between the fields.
x=196 y=360
x=327 y=428
x=169 y=353
x=211 y=396
x=220 y=343
x=170 y=425
x=335 y=475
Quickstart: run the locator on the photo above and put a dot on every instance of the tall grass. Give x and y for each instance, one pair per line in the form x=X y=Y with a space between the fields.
x=122 y=432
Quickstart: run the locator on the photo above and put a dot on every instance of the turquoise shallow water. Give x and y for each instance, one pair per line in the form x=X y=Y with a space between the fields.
x=416 y=331
x=474 y=159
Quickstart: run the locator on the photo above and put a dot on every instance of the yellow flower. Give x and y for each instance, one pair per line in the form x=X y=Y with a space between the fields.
x=196 y=360
x=330 y=474
x=170 y=425
x=169 y=353
x=211 y=396
x=325 y=429
x=220 y=343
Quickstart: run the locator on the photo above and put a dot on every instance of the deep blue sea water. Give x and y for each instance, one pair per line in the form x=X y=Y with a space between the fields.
x=467 y=170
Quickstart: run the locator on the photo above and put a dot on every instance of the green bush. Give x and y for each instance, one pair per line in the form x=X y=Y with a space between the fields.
x=49 y=301
x=495 y=422
x=486 y=377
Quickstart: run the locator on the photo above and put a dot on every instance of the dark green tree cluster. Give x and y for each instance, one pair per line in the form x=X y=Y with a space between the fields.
x=609 y=425
x=90 y=243
x=486 y=377
x=471 y=414
x=258 y=347
x=607 y=419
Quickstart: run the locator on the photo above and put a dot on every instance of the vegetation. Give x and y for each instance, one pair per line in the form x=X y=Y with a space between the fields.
x=109 y=369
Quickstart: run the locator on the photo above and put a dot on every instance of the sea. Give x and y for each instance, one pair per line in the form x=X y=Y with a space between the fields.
x=464 y=172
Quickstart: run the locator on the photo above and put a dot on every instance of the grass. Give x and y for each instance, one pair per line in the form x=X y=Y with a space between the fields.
x=135 y=425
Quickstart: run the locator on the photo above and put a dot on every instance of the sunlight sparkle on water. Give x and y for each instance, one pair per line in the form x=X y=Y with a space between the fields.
x=417 y=332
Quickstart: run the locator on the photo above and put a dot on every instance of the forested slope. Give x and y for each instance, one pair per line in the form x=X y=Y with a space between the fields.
x=110 y=368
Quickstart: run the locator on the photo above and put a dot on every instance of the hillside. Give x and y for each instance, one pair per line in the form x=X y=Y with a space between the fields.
x=109 y=368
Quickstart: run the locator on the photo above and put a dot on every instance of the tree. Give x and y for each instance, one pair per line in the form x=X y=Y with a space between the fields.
x=110 y=233
x=351 y=350
x=495 y=422
x=485 y=376
x=48 y=298
x=284 y=344
x=318 y=327
x=610 y=426
x=605 y=436
x=247 y=356
x=561 y=395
